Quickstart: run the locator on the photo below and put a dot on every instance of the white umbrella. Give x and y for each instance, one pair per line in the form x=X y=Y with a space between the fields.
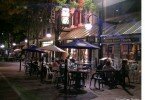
x=51 y=48
x=17 y=50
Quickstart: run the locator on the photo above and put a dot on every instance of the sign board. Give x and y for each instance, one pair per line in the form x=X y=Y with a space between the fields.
x=65 y=13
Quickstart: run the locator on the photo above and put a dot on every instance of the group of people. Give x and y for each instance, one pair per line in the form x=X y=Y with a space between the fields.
x=120 y=76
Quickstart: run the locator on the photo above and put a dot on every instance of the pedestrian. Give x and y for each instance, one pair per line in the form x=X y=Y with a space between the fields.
x=43 y=71
x=124 y=72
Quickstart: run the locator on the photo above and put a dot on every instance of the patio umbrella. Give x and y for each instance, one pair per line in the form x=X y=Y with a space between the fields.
x=79 y=44
x=51 y=48
x=33 y=48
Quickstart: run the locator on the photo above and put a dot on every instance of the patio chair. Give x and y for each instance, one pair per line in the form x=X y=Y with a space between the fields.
x=97 y=77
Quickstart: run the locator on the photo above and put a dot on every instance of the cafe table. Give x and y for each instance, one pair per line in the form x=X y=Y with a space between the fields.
x=79 y=76
x=85 y=65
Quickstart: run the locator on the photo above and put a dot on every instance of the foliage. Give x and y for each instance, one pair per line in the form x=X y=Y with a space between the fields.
x=61 y=2
x=89 y=5
x=24 y=17
x=73 y=4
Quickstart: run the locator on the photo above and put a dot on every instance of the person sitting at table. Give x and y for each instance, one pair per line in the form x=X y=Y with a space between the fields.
x=55 y=65
x=68 y=62
x=133 y=71
x=109 y=74
x=107 y=66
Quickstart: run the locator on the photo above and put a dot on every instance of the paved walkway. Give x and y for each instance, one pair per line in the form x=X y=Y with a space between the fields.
x=15 y=85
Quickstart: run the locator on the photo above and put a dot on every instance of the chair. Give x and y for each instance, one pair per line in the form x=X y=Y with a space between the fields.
x=97 y=77
x=76 y=79
x=32 y=69
x=110 y=78
x=50 y=74
x=71 y=80
x=59 y=76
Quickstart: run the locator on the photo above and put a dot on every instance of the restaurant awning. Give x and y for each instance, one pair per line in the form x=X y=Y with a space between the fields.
x=124 y=28
x=78 y=33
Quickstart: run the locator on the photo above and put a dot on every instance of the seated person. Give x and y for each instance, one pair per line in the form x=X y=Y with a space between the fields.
x=107 y=66
x=55 y=66
x=109 y=74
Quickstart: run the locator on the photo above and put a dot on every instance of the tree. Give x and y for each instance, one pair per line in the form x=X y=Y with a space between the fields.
x=24 y=17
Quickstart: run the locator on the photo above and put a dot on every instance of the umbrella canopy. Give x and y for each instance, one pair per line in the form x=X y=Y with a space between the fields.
x=33 y=48
x=51 y=48
x=17 y=50
x=79 y=44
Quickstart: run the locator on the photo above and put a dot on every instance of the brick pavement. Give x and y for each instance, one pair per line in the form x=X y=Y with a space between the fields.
x=15 y=85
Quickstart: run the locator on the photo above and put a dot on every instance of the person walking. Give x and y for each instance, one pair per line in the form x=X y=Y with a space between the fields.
x=125 y=72
x=43 y=71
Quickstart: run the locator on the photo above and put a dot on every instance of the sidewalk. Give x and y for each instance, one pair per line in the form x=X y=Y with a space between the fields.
x=14 y=85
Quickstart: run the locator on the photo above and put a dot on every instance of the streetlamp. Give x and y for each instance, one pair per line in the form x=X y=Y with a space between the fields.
x=62 y=21
x=14 y=44
x=2 y=46
x=100 y=20
x=26 y=40
x=48 y=35
x=88 y=26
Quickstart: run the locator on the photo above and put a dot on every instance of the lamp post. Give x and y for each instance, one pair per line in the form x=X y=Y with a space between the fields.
x=100 y=19
x=62 y=21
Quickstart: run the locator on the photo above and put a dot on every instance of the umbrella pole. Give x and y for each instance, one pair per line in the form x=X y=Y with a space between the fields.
x=20 y=64
x=65 y=77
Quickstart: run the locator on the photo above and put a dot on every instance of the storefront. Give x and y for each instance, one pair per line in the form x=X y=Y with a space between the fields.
x=81 y=50
x=126 y=46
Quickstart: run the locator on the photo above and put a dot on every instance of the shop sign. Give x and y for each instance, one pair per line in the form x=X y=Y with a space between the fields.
x=123 y=40
x=91 y=39
x=131 y=39
x=135 y=39
x=111 y=40
x=65 y=13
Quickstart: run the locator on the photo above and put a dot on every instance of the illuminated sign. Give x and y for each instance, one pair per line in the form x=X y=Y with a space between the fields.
x=65 y=13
